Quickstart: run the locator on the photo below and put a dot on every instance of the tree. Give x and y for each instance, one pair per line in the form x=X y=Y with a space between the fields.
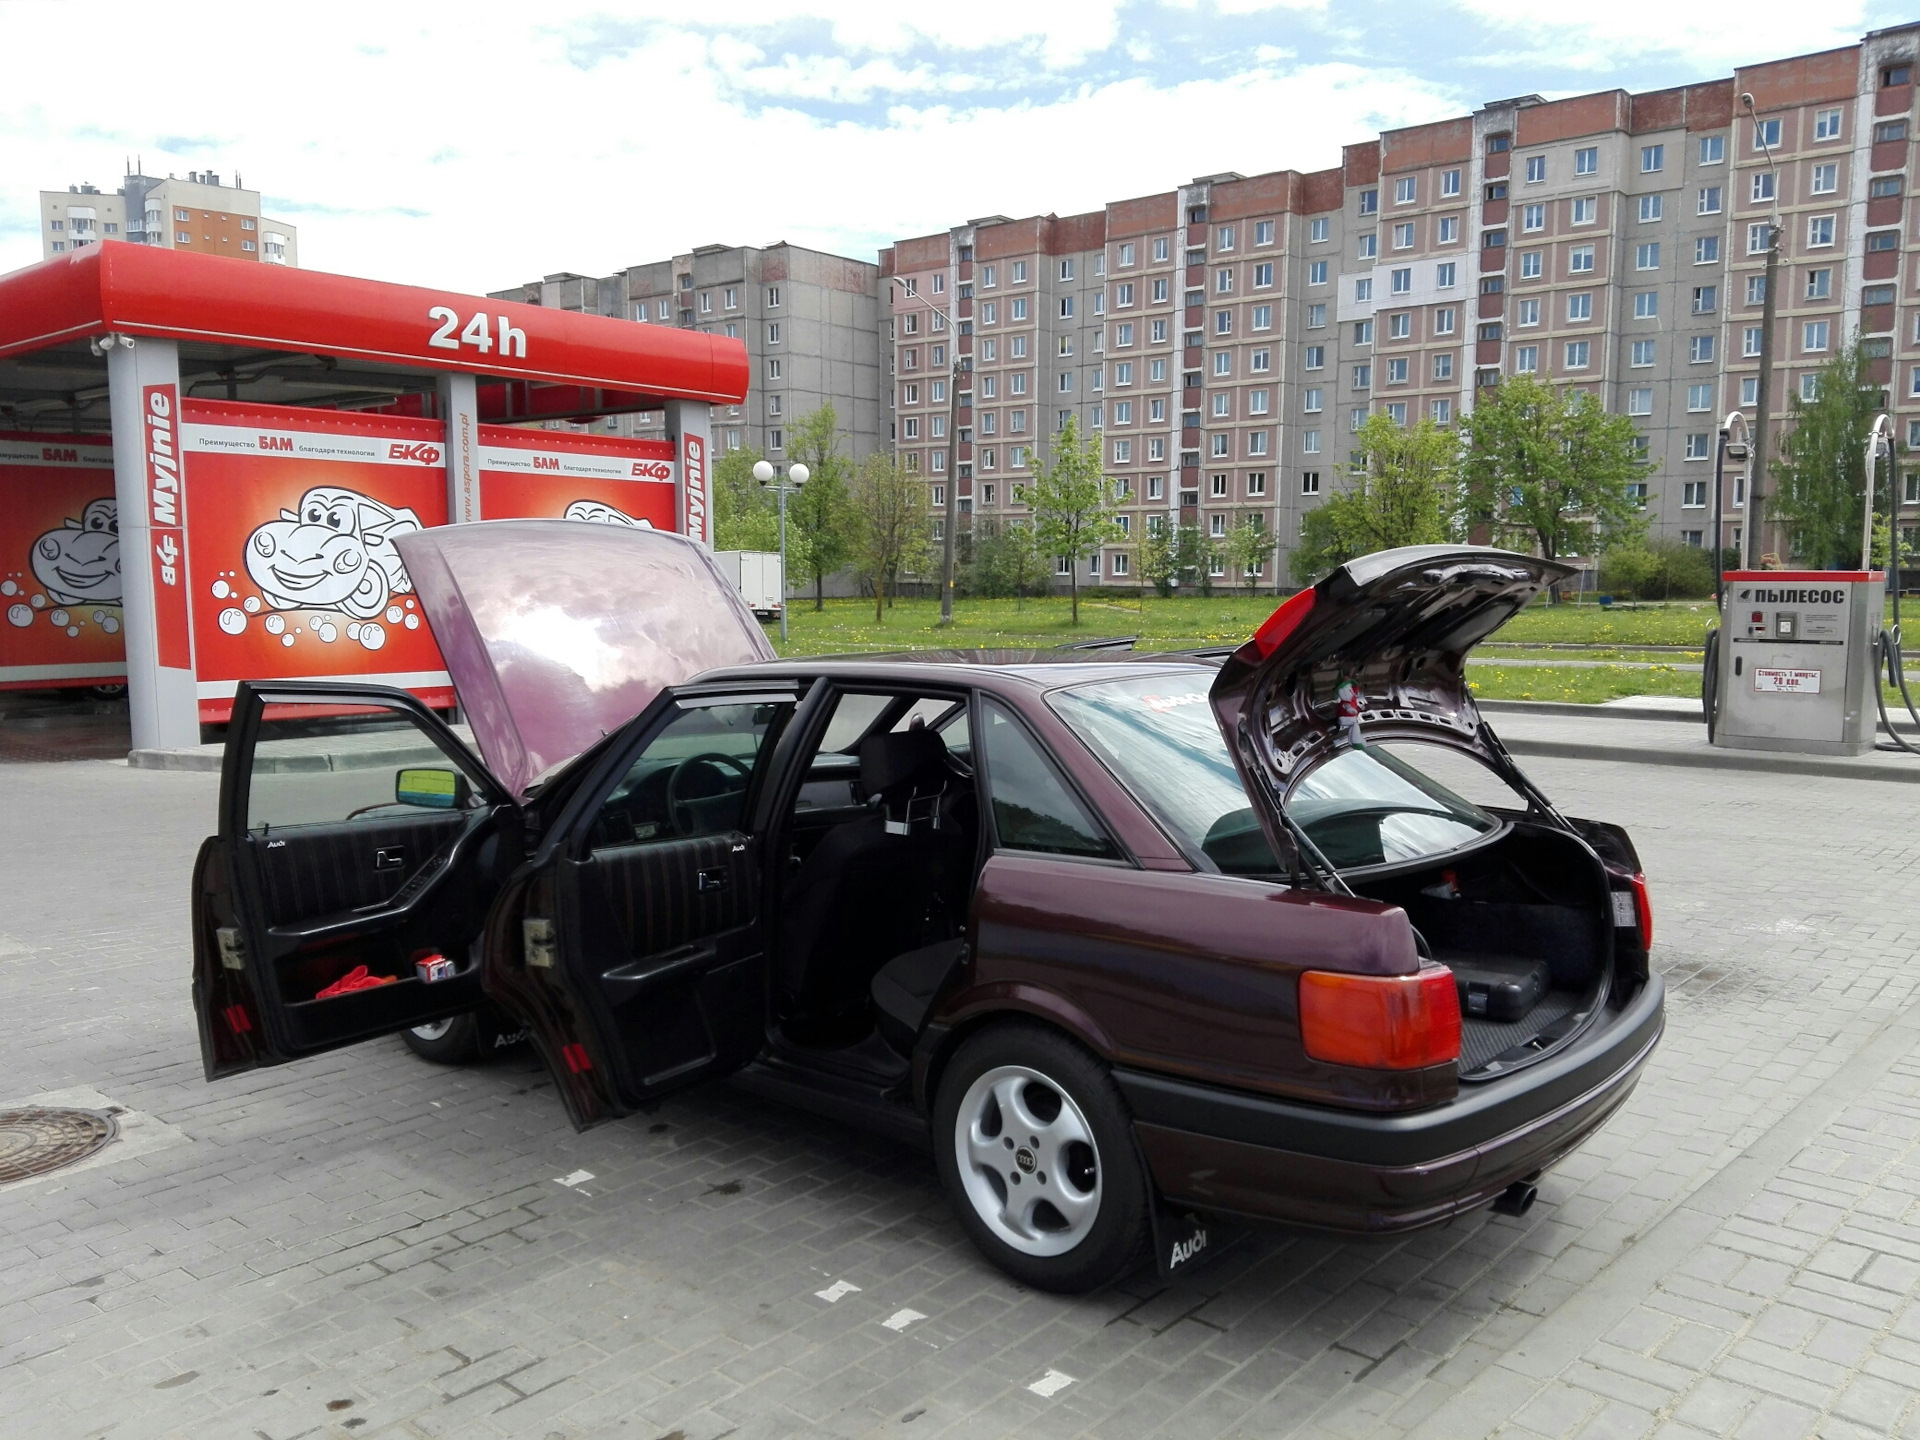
x=888 y=532
x=1194 y=555
x=1248 y=547
x=1820 y=475
x=1657 y=570
x=1404 y=491
x=1550 y=470
x=1006 y=560
x=1157 y=556
x=1072 y=502
x=744 y=513
x=819 y=511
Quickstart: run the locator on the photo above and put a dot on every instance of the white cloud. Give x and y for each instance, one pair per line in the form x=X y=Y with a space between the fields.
x=1713 y=36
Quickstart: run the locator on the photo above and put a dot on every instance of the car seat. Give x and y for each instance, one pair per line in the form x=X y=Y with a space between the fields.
x=889 y=881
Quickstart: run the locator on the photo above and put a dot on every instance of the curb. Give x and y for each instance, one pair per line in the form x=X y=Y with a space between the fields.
x=1709 y=759
x=173 y=760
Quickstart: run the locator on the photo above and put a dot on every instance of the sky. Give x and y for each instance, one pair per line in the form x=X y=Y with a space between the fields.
x=476 y=146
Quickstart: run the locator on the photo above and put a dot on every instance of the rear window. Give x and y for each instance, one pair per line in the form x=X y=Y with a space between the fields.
x=1370 y=806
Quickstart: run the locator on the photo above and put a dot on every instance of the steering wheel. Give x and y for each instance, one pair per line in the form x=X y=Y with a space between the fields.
x=683 y=822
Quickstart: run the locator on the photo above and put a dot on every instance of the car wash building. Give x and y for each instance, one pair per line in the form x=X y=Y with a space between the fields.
x=204 y=465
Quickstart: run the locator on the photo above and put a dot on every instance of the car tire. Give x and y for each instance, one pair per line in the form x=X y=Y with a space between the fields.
x=1035 y=1149
x=453 y=1041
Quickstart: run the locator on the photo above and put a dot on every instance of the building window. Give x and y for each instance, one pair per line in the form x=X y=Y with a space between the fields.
x=1826 y=180
x=1580 y=306
x=773 y=369
x=1580 y=259
x=1586 y=161
x=1883 y=240
x=1766 y=134
x=1713 y=149
x=1369 y=202
x=1697 y=446
x=1756 y=289
x=1641 y=354
x=1493 y=239
x=1310 y=442
x=1443 y=320
x=1530 y=264
x=1536 y=169
x=1700 y=350
x=1640 y=401
x=1653 y=159
x=1533 y=217
x=1363 y=377
x=1577 y=353
x=1449 y=230
x=1706 y=299
x=773 y=332
x=1369 y=246
x=1813 y=336
x=1699 y=398
x=1363 y=291
x=1647 y=256
x=1585 y=210
x=1526 y=359
x=1443 y=367
x=1223 y=362
x=1709 y=200
x=1646 y=305
x=1826 y=125
x=1819 y=231
x=1651 y=207
x=776 y=440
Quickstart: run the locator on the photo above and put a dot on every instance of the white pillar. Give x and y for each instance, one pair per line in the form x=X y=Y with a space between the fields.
x=143 y=379
x=460 y=409
x=690 y=427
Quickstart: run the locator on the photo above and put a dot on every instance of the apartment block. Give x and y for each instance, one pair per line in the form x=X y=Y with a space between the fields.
x=1227 y=337
x=196 y=213
x=810 y=321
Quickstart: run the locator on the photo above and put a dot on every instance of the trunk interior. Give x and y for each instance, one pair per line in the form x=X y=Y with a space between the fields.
x=1526 y=927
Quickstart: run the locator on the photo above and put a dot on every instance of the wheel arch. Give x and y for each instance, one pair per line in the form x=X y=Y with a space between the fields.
x=988 y=1005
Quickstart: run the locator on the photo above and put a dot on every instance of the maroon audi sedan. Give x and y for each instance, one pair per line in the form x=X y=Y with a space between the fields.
x=1135 y=945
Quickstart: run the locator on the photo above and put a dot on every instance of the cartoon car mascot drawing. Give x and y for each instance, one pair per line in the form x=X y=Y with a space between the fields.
x=598 y=512
x=79 y=564
x=337 y=553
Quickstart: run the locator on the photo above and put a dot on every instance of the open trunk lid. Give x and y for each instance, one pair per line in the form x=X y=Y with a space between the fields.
x=1398 y=624
x=557 y=632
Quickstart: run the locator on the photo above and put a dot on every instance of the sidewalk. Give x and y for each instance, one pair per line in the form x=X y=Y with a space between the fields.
x=1656 y=732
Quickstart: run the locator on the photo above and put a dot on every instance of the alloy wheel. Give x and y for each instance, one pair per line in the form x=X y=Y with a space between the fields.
x=1027 y=1160
x=433 y=1029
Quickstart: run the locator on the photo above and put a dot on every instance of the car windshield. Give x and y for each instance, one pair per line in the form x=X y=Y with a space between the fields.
x=1158 y=734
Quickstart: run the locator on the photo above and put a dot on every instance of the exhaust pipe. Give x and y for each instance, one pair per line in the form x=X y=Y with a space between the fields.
x=1517 y=1198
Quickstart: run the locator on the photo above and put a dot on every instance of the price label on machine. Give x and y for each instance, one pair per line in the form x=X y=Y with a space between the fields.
x=1786 y=682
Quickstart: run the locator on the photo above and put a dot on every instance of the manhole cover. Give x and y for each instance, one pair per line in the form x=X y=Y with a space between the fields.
x=36 y=1140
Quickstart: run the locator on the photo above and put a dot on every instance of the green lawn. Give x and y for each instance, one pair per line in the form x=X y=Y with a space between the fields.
x=847 y=625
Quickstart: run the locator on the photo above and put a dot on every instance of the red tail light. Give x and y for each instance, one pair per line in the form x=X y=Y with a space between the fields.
x=576 y=1057
x=1643 y=911
x=1381 y=1022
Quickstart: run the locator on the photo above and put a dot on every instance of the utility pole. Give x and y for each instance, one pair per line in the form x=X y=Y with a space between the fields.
x=953 y=486
x=1755 y=546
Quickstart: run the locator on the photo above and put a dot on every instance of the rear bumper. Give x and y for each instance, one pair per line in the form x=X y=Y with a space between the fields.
x=1364 y=1174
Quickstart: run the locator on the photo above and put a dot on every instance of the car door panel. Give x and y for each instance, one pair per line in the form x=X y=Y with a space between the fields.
x=304 y=884
x=649 y=967
x=348 y=867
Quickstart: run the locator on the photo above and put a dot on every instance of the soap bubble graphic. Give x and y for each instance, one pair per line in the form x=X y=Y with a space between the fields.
x=252 y=602
x=60 y=617
x=286 y=639
x=21 y=615
x=233 y=620
x=221 y=590
x=372 y=636
x=394 y=613
x=110 y=625
x=326 y=632
x=7 y=587
x=274 y=624
x=413 y=622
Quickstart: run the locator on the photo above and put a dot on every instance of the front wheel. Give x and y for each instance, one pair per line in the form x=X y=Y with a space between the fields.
x=1035 y=1149
x=453 y=1041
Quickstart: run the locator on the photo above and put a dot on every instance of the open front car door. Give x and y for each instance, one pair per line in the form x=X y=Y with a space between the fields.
x=360 y=847
x=633 y=946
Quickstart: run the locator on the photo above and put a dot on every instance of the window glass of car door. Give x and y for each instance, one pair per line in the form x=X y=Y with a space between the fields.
x=314 y=766
x=692 y=778
x=1033 y=808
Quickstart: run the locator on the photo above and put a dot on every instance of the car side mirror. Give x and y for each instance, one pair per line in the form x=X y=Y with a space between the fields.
x=432 y=789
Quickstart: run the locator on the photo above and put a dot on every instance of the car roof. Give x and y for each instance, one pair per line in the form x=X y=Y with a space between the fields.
x=1031 y=671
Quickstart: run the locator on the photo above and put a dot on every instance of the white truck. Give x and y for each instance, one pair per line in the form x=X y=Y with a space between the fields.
x=756 y=575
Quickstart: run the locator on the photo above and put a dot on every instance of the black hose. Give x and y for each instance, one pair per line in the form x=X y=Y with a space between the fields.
x=1710 y=681
x=1888 y=647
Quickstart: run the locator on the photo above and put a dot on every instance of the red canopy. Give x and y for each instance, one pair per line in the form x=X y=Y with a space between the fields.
x=210 y=299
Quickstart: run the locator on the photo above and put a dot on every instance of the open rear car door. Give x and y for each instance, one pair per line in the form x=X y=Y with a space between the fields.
x=360 y=846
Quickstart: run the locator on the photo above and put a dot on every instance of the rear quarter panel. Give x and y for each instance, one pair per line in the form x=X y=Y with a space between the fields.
x=1187 y=974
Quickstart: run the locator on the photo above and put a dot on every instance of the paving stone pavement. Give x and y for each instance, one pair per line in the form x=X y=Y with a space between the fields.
x=365 y=1245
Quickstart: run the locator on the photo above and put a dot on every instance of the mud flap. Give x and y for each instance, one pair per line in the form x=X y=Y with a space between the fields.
x=1182 y=1241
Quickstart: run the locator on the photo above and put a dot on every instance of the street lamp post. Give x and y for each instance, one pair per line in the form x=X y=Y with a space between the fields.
x=952 y=521
x=1728 y=449
x=795 y=478
x=1757 y=471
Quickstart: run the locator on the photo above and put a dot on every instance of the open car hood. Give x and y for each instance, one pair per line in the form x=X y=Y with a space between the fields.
x=1398 y=624
x=557 y=631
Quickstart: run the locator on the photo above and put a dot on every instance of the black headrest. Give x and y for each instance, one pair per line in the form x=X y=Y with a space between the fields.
x=903 y=758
